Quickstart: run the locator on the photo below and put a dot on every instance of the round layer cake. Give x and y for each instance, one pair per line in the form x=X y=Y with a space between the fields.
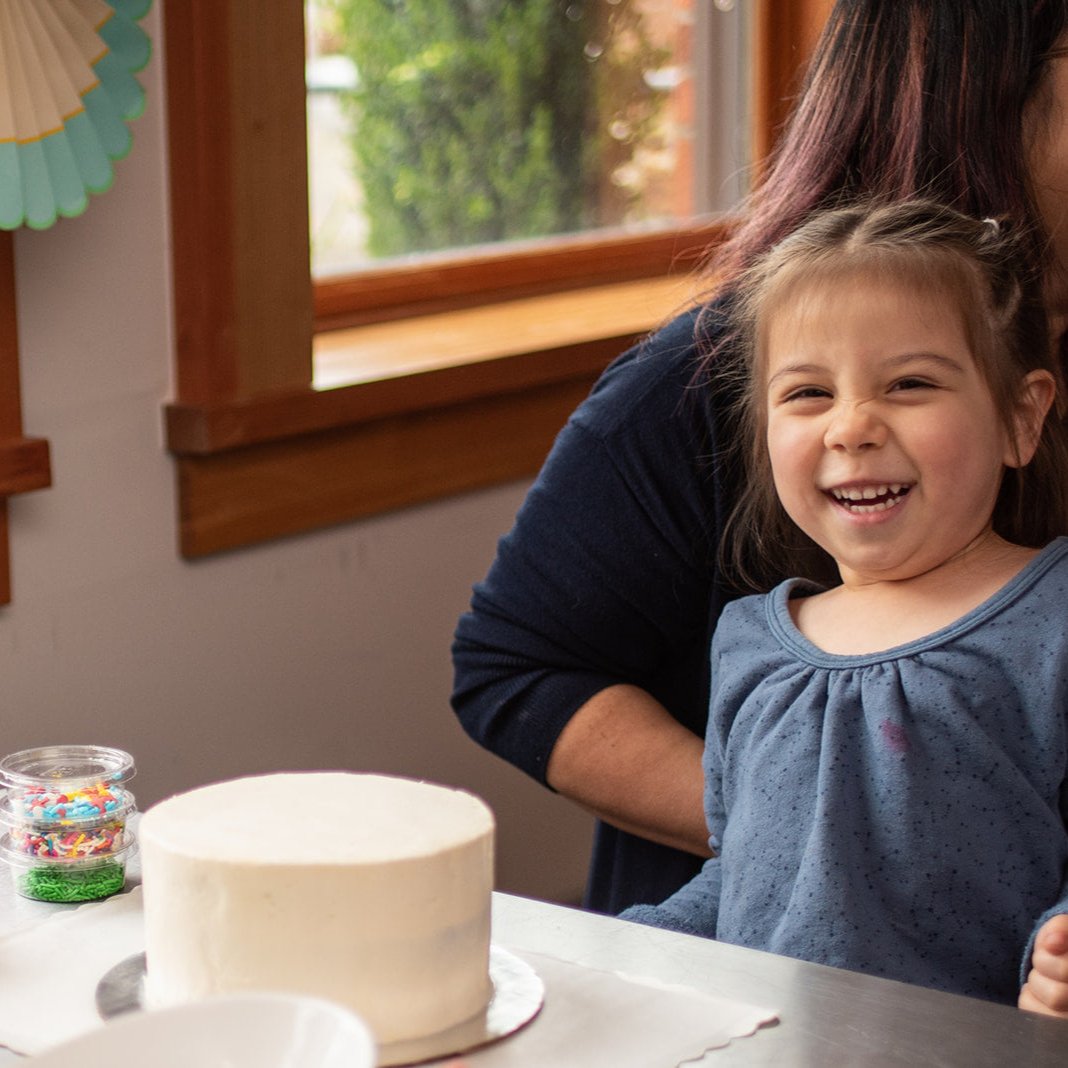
x=365 y=889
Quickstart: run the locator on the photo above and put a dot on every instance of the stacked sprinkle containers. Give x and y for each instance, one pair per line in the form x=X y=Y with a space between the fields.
x=65 y=809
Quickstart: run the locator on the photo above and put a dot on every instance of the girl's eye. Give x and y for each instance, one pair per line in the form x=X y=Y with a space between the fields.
x=807 y=393
x=913 y=383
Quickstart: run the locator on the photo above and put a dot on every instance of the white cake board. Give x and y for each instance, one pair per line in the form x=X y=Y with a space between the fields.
x=517 y=998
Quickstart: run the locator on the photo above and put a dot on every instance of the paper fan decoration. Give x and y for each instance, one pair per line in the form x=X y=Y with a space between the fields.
x=67 y=91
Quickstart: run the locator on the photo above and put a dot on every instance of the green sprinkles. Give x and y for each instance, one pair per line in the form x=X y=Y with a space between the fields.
x=74 y=884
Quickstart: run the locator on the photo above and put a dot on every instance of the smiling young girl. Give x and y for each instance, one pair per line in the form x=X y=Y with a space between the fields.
x=887 y=751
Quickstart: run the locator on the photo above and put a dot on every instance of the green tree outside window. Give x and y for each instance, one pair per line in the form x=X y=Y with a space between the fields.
x=479 y=121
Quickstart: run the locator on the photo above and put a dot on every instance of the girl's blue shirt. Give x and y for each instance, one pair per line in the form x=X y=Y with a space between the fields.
x=900 y=813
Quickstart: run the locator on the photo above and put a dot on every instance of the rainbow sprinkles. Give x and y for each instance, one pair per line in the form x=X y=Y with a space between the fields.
x=66 y=811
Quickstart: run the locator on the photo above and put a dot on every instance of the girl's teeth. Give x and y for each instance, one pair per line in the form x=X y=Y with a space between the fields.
x=853 y=497
x=882 y=506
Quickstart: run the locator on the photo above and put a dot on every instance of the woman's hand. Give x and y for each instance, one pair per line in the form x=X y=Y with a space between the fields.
x=1046 y=989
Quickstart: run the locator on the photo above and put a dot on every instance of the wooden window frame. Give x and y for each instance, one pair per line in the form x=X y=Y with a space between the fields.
x=260 y=452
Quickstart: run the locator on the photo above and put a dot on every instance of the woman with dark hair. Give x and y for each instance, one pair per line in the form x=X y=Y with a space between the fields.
x=584 y=657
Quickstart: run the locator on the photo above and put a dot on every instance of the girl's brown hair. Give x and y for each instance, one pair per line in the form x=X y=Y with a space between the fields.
x=982 y=268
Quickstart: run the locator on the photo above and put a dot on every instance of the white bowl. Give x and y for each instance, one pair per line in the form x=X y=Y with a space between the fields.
x=232 y=1031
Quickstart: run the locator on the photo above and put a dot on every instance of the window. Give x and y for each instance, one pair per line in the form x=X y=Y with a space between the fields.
x=268 y=443
x=437 y=125
x=629 y=193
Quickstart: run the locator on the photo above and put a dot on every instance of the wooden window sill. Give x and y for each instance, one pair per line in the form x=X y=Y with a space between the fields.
x=403 y=412
x=558 y=322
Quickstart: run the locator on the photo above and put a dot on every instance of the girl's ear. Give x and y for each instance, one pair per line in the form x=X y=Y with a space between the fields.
x=1036 y=399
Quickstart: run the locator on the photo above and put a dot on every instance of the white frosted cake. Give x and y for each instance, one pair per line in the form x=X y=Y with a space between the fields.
x=365 y=889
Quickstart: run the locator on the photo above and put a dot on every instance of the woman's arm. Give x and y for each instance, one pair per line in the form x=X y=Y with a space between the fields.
x=586 y=646
x=624 y=758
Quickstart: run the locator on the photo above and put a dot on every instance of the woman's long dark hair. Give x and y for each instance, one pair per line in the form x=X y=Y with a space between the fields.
x=902 y=99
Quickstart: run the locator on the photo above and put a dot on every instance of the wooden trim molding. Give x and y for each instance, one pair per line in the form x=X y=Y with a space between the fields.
x=24 y=462
x=281 y=463
x=785 y=34
x=24 y=465
x=430 y=362
x=551 y=266
x=205 y=429
x=239 y=195
x=242 y=496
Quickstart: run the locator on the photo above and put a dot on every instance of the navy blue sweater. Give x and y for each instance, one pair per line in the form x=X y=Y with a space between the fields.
x=608 y=576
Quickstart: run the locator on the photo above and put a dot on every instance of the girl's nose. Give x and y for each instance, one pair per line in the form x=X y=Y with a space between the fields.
x=854 y=425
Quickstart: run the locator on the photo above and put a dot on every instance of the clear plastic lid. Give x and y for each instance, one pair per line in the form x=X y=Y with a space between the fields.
x=65 y=765
x=70 y=786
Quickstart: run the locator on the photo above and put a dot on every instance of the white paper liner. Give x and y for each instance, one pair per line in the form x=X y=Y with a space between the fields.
x=604 y=1019
x=50 y=971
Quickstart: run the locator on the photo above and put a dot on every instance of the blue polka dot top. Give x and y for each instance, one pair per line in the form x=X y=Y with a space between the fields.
x=899 y=813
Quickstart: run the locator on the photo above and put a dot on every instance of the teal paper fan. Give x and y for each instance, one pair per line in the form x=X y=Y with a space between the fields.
x=67 y=92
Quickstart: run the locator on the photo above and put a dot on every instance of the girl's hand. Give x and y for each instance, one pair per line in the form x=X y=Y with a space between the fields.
x=1046 y=989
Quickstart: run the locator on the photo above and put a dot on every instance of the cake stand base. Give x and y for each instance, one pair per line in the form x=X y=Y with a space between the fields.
x=517 y=998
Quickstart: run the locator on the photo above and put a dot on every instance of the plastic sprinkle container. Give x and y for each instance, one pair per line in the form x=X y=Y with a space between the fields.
x=66 y=809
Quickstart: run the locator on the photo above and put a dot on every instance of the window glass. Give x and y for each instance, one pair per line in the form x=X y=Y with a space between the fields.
x=443 y=125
